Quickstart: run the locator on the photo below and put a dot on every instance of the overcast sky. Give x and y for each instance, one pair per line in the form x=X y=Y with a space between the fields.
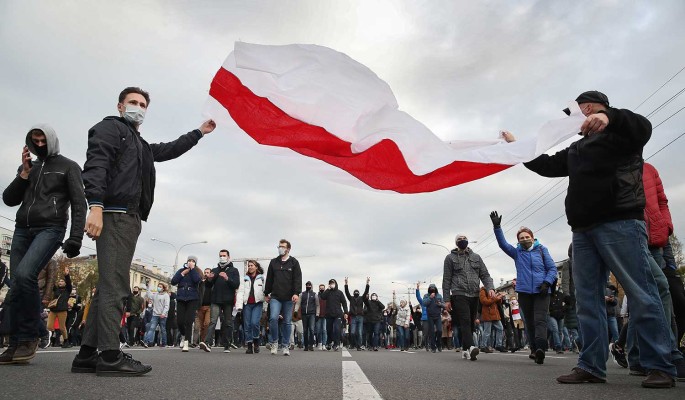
x=465 y=69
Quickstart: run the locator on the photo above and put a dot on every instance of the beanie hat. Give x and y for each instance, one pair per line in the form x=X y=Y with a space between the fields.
x=194 y=258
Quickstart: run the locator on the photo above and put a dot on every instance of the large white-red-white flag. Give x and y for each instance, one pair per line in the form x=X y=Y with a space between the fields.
x=323 y=104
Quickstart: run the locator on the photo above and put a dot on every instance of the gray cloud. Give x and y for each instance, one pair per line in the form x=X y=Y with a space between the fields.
x=465 y=69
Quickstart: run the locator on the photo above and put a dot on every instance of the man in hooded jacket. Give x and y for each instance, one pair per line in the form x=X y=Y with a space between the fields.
x=335 y=305
x=45 y=191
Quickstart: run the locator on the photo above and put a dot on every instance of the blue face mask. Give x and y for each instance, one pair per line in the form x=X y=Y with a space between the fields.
x=463 y=244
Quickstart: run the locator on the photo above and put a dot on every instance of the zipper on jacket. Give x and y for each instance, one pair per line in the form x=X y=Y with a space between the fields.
x=28 y=212
x=54 y=203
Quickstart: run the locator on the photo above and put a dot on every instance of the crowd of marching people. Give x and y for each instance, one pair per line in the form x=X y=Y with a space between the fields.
x=616 y=207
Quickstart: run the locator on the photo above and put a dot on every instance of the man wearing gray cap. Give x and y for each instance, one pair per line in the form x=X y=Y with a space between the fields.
x=462 y=274
x=605 y=208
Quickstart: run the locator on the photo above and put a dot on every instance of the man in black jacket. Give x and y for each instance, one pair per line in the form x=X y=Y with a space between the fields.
x=282 y=289
x=309 y=308
x=45 y=190
x=605 y=209
x=223 y=281
x=119 y=178
x=357 y=313
x=336 y=308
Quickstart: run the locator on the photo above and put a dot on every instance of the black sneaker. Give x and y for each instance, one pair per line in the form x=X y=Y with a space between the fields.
x=204 y=346
x=67 y=345
x=619 y=355
x=539 y=356
x=84 y=365
x=637 y=371
x=256 y=348
x=44 y=342
x=125 y=365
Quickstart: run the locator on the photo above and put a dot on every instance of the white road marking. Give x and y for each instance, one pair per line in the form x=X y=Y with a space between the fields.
x=346 y=353
x=356 y=385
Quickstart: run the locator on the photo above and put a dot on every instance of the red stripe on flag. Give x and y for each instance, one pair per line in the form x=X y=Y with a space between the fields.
x=382 y=166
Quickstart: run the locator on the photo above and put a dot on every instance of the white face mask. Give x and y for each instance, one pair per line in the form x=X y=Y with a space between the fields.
x=223 y=259
x=331 y=286
x=134 y=114
x=281 y=251
x=374 y=298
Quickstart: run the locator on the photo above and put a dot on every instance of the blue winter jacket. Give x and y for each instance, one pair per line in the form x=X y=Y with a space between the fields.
x=533 y=267
x=424 y=316
x=187 y=285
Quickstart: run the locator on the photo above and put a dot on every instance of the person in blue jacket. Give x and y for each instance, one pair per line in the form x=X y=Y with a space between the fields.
x=187 y=297
x=433 y=304
x=536 y=274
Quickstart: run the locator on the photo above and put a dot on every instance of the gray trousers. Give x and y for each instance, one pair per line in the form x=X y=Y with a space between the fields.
x=115 y=248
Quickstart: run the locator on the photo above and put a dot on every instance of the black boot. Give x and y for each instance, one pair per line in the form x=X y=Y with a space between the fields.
x=249 y=349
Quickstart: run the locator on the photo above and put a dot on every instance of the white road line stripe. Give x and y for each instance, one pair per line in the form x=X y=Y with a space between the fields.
x=346 y=353
x=356 y=385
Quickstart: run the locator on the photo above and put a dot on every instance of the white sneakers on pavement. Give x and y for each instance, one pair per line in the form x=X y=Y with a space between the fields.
x=274 y=349
x=286 y=351
x=184 y=348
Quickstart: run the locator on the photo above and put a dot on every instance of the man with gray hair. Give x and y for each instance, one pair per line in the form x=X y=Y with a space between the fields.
x=462 y=274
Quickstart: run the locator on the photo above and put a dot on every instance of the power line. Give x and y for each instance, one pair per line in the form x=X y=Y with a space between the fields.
x=665 y=103
x=660 y=87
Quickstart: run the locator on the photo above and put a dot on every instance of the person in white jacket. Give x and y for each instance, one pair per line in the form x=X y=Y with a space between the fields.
x=402 y=322
x=253 y=302
x=160 y=311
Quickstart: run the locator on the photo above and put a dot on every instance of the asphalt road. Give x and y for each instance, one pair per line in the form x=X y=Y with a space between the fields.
x=320 y=375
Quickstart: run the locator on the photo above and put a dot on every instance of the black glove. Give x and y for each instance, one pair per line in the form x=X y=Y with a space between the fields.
x=72 y=247
x=496 y=219
x=544 y=287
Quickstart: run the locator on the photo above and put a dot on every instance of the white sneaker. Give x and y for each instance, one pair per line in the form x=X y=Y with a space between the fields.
x=185 y=346
x=465 y=354
x=286 y=351
x=274 y=350
x=473 y=352
x=320 y=347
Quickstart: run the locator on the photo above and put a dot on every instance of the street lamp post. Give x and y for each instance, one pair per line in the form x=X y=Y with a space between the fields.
x=177 y=250
x=435 y=244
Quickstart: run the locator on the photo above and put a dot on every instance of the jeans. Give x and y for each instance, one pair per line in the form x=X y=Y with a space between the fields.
x=554 y=326
x=226 y=312
x=31 y=250
x=619 y=247
x=321 y=335
x=613 y=328
x=115 y=248
x=376 y=338
x=252 y=313
x=434 y=332
x=666 y=302
x=133 y=324
x=277 y=308
x=574 y=338
x=487 y=329
x=534 y=310
x=150 y=333
x=402 y=337
x=333 y=328
x=356 y=329
x=308 y=323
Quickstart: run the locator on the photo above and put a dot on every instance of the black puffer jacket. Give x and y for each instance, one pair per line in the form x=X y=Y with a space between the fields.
x=356 y=303
x=119 y=173
x=604 y=170
x=53 y=188
x=223 y=290
x=335 y=299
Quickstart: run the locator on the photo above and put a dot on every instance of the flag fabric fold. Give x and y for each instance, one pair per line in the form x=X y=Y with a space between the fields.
x=323 y=104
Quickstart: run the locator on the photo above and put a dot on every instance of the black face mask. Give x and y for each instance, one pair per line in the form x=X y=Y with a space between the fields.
x=320 y=290
x=135 y=293
x=356 y=294
x=309 y=288
x=41 y=151
x=463 y=244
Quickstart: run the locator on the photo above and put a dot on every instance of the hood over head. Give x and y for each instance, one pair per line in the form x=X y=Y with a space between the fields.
x=50 y=136
x=432 y=286
x=334 y=282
